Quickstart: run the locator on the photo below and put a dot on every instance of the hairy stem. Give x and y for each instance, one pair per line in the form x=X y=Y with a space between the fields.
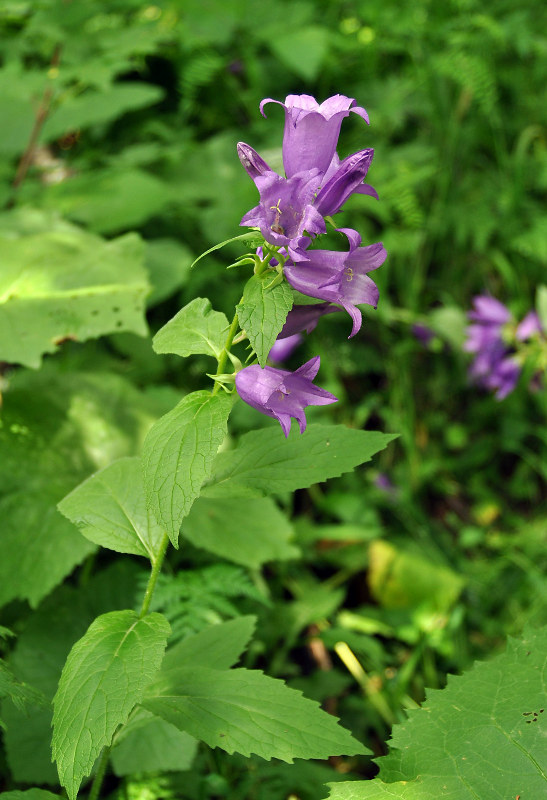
x=152 y=580
x=225 y=350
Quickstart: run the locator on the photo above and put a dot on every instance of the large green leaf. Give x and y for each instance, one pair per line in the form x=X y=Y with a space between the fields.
x=39 y=656
x=104 y=677
x=218 y=646
x=150 y=744
x=249 y=530
x=110 y=509
x=178 y=455
x=57 y=428
x=65 y=283
x=247 y=712
x=263 y=311
x=265 y=460
x=195 y=329
x=481 y=737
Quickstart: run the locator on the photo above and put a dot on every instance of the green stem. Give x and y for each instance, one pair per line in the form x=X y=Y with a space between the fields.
x=99 y=775
x=225 y=350
x=152 y=580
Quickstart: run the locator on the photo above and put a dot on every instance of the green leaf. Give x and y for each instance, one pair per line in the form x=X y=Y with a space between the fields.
x=265 y=460
x=541 y=305
x=167 y=263
x=20 y=694
x=247 y=530
x=302 y=51
x=110 y=509
x=195 y=329
x=247 y=712
x=96 y=108
x=66 y=284
x=253 y=238
x=218 y=646
x=104 y=677
x=56 y=429
x=39 y=656
x=178 y=455
x=481 y=737
x=150 y=744
x=263 y=311
x=401 y=579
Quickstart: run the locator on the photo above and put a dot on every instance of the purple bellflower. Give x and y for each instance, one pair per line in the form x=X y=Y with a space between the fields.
x=493 y=367
x=529 y=327
x=312 y=129
x=340 y=277
x=303 y=198
x=304 y=318
x=285 y=215
x=344 y=180
x=282 y=394
x=283 y=348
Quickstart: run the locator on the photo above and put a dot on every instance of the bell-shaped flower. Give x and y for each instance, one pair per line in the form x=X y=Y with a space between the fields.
x=253 y=164
x=283 y=348
x=344 y=180
x=282 y=394
x=340 y=276
x=286 y=215
x=304 y=318
x=312 y=129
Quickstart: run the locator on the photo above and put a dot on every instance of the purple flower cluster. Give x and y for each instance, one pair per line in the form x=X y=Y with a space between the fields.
x=291 y=212
x=492 y=336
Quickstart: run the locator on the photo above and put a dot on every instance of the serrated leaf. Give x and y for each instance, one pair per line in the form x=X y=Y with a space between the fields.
x=67 y=284
x=265 y=460
x=243 y=529
x=152 y=745
x=263 y=311
x=481 y=737
x=39 y=656
x=218 y=646
x=178 y=455
x=247 y=712
x=110 y=509
x=104 y=677
x=195 y=329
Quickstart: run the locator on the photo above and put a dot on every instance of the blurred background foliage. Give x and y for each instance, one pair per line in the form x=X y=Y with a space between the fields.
x=122 y=118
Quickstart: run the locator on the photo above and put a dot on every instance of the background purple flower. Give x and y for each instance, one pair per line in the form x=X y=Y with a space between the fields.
x=312 y=129
x=282 y=394
x=493 y=367
x=528 y=327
